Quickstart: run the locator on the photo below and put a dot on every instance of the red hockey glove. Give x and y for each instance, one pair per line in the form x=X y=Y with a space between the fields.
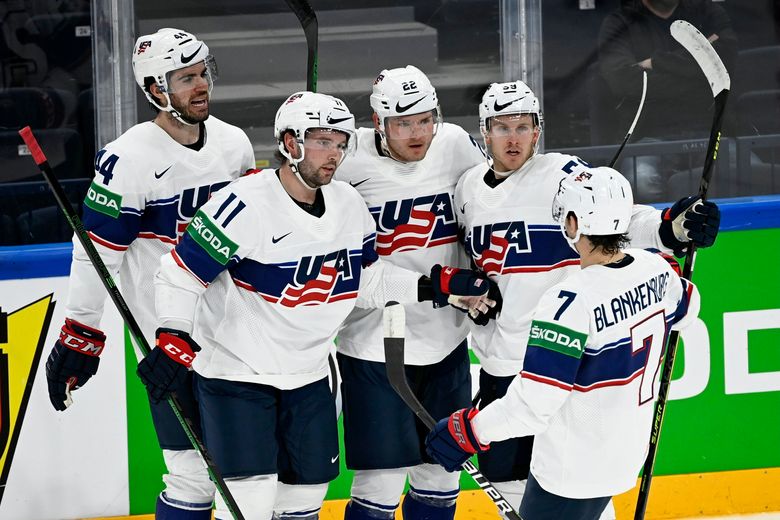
x=73 y=360
x=166 y=367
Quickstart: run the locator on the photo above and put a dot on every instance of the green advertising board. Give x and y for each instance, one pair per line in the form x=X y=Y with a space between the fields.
x=727 y=382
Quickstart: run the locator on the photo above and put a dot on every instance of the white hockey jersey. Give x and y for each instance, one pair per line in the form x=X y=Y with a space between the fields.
x=412 y=204
x=511 y=235
x=280 y=280
x=146 y=189
x=591 y=374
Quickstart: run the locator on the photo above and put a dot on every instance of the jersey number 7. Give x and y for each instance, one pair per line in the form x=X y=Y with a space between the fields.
x=649 y=336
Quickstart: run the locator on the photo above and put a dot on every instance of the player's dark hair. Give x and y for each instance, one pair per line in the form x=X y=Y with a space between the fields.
x=148 y=82
x=610 y=244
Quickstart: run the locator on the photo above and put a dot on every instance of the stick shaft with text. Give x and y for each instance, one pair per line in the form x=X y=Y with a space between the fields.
x=113 y=291
x=718 y=77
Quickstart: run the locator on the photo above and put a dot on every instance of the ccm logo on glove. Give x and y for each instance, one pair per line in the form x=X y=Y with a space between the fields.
x=177 y=348
x=81 y=344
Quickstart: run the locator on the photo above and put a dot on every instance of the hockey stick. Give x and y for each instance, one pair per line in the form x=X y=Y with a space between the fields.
x=308 y=20
x=636 y=118
x=718 y=77
x=395 y=327
x=121 y=305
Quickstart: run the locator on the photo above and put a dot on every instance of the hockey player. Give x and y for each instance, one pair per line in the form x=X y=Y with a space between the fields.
x=148 y=184
x=275 y=262
x=406 y=168
x=510 y=235
x=592 y=365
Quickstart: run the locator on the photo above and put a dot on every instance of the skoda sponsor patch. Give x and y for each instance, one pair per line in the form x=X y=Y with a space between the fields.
x=103 y=201
x=558 y=338
x=211 y=238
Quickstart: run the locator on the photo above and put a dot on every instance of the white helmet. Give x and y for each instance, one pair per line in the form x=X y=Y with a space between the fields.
x=304 y=111
x=503 y=99
x=601 y=198
x=157 y=55
x=401 y=92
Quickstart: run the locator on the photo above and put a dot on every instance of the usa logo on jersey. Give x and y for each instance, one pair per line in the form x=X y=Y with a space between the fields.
x=490 y=244
x=167 y=219
x=415 y=223
x=322 y=279
x=515 y=247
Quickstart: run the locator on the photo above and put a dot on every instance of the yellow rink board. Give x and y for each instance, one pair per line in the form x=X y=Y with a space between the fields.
x=675 y=496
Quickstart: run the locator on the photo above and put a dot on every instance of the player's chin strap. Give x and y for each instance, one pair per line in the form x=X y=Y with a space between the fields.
x=385 y=148
x=294 y=163
x=169 y=108
x=572 y=241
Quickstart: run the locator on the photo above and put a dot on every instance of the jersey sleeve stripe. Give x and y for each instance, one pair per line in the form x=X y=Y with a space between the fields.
x=162 y=202
x=118 y=231
x=106 y=243
x=181 y=264
x=685 y=300
x=590 y=351
x=248 y=287
x=612 y=382
x=161 y=238
x=540 y=269
x=546 y=380
x=551 y=363
x=343 y=296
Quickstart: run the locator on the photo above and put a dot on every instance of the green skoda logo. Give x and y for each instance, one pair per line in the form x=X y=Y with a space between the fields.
x=211 y=238
x=103 y=201
x=558 y=338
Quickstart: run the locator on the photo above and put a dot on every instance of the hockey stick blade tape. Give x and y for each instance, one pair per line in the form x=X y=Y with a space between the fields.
x=702 y=51
x=394 y=319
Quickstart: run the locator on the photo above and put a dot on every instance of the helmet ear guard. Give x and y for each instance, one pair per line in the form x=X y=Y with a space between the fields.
x=158 y=55
x=600 y=198
x=304 y=111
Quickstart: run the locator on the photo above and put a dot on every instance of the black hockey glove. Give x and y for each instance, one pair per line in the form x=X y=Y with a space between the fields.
x=483 y=318
x=449 y=283
x=165 y=369
x=689 y=220
x=72 y=361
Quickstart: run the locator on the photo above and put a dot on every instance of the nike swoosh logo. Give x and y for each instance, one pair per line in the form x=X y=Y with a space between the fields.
x=187 y=59
x=400 y=109
x=463 y=208
x=275 y=240
x=499 y=108
x=332 y=121
x=358 y=183
x=334 y=459
x=159 y=175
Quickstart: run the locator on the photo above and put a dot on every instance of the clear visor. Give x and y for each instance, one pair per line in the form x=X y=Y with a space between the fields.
x=518 y=125
x=413 y=126
x=328 y=140
x=201 y=75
